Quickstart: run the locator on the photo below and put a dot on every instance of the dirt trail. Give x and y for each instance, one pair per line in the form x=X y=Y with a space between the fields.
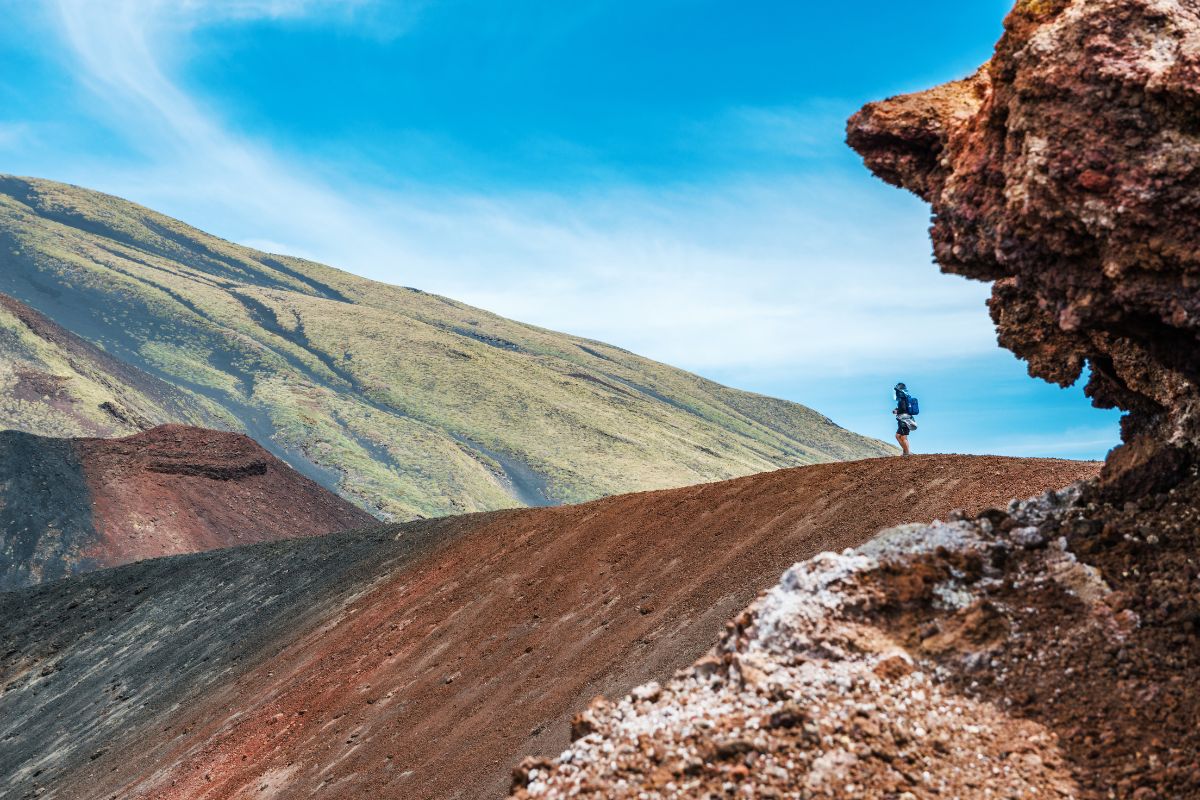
x=431 y=675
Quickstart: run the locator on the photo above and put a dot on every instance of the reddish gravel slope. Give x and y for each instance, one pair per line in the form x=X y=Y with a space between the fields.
x=176 y=489
x=74 y=505
x=434 y=654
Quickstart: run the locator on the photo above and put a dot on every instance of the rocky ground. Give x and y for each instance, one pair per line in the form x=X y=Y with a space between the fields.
x=69 y=506
x=420 y=660
x=1049 y=650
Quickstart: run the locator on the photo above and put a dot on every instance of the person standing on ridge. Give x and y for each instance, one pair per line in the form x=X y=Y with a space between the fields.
x=906 y=409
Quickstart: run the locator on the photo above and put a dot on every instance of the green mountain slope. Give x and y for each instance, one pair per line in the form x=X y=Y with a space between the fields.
x=409 y=403
x=57 y=384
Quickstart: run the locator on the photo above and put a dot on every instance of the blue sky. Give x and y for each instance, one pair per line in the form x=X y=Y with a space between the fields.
x=666 y=176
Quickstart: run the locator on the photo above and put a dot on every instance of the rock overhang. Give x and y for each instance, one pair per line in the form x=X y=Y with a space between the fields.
x=1066 y=171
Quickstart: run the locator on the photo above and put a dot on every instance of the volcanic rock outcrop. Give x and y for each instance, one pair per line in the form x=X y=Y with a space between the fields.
x=69 y=506
x=419 y=660
x=1067 y=171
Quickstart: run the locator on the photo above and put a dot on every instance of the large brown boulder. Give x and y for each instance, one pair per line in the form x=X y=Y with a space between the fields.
x=1067 y=171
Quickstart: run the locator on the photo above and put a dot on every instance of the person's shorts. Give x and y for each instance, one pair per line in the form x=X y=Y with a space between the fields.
x=901 y=428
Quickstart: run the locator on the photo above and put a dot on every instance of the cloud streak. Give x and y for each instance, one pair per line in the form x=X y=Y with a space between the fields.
x=1078 y=442
x=13 y=134
x=803 y=270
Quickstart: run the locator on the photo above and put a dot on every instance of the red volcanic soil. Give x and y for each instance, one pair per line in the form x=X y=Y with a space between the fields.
x=179 y=489
x=69 y=506
x=430 y=675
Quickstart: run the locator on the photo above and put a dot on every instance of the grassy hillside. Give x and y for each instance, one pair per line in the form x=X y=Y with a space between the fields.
x=409 y=403
x=54 y=383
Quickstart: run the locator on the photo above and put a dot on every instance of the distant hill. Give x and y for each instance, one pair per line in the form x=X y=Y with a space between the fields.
x=57 y=384
x=410 y=403
x=69 y=506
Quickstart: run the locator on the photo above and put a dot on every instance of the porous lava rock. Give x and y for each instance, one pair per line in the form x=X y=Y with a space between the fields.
x=1067 y=171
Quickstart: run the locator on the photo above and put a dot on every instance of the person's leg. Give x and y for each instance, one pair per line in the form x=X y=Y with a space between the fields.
x=903 y=440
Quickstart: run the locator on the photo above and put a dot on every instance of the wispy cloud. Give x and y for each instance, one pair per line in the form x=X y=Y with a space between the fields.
x=13 y=134
x=365 y=15
x=811 y=131
x=1079 y=442
x=255 y=9
x=775 y=271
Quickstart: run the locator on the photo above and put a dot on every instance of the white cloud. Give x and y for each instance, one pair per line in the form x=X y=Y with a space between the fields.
x=811 y=272
x=760 y=279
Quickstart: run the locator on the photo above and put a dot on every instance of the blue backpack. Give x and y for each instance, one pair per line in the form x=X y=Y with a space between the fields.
x=913 y=407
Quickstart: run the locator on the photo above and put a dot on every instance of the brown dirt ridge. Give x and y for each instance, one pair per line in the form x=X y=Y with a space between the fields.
x=420 y=660
x=74 y=505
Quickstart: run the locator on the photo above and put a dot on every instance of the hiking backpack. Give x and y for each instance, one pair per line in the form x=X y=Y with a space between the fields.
x=914 y=407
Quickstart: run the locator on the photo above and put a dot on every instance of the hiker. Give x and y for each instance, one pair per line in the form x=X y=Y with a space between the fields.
x=906 y=408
